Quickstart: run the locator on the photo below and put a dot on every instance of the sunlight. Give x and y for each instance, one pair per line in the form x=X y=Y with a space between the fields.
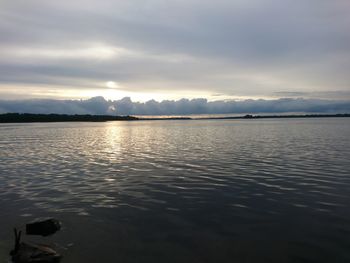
x=111 y=84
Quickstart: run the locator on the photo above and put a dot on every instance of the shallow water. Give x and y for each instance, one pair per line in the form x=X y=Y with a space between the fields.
x=273 y=190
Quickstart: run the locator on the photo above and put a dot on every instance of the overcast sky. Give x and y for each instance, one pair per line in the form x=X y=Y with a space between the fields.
x=173 y=49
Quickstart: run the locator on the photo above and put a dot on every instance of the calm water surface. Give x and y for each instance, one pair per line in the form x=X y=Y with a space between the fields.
x=182 y=191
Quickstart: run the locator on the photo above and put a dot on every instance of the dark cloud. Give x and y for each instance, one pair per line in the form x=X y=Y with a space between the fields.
x=125 y=106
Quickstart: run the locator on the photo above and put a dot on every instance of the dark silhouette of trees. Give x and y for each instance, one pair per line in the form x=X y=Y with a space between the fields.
x=28 y=117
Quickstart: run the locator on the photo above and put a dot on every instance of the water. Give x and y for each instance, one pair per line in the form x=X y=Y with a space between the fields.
x=182 y=191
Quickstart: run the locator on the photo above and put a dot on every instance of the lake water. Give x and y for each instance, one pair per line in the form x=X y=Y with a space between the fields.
x=273 y=190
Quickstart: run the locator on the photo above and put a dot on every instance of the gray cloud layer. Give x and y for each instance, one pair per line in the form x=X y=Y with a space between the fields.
x=125 y=106
x=230 y=47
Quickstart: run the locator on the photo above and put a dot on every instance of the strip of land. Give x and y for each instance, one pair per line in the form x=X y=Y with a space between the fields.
x=248 y=116
x=28 y=117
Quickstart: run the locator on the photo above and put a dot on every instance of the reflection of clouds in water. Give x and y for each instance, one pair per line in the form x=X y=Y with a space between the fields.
x=165 y=188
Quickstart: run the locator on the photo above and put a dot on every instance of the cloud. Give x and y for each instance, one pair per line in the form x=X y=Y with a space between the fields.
x=336 y=94
x=97 y=105
x=125 y=106
x=232 y=47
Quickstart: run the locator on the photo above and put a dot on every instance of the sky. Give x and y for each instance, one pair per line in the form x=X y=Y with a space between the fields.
x=153 y=50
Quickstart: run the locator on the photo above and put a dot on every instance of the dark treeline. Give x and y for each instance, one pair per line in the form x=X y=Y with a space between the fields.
x=248 y=116
x=28 y=117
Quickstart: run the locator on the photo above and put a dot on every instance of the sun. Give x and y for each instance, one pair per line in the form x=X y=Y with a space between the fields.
x=111 y=84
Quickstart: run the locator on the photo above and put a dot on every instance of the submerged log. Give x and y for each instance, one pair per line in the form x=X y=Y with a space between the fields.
x=43 y=228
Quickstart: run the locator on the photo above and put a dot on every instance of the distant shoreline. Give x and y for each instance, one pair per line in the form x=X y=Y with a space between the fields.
x=29 y=118
x=249 y=116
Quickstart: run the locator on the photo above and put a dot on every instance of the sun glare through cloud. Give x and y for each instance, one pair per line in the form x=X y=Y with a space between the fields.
x=111 y=85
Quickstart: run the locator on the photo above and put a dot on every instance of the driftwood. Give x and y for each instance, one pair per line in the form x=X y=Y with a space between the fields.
x=32 y=253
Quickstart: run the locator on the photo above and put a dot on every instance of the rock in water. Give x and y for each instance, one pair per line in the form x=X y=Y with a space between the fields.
x=43 y=228
x=30 y=253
